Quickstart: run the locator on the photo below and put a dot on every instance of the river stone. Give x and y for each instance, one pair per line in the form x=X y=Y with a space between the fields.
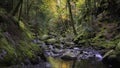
x=69 y=55
x=58 y=45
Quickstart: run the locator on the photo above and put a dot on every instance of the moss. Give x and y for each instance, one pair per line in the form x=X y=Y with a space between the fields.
x=118 y=47
x=23 y=47
x=2 y=11
x=1 y=34
x=18 y=53
x=21 y=25
x=28 y=50
x=8 y=58
x=27 y=34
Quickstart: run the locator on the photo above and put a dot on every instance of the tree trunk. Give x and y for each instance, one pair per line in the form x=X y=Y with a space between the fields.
x=20 y=12
x=71 y=17
x=15 y=10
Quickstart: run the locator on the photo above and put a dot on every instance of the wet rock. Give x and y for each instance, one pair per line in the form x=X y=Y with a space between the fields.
x=76 y=48
x=2 y=54
x=27 y=61
x=36 y=41
x=56 y=50
x=47 y=53
x=98 y=57
x=44 y=46
x=58 y=46
x=69 y=54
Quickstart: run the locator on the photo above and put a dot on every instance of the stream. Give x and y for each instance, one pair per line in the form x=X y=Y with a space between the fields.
x=74 y=57
x=58 y=56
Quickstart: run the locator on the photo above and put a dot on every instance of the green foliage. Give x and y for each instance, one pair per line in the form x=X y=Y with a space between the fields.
x=17 y=54
x=21 y=24
x=22 y=49
x=118 y=47
x=2 y=11
x=10 y=52
x=28 y=50
x=26 y=31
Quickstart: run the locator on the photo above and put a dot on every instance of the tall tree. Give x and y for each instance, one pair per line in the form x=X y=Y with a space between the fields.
x=16 y=9
x=71 y=17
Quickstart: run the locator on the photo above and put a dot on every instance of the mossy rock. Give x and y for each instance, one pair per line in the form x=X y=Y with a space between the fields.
x=51 y=41
x=69 y=43
x=45 y=37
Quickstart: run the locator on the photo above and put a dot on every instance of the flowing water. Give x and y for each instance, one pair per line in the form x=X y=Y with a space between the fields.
x=74 y=57
x=56 y=63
